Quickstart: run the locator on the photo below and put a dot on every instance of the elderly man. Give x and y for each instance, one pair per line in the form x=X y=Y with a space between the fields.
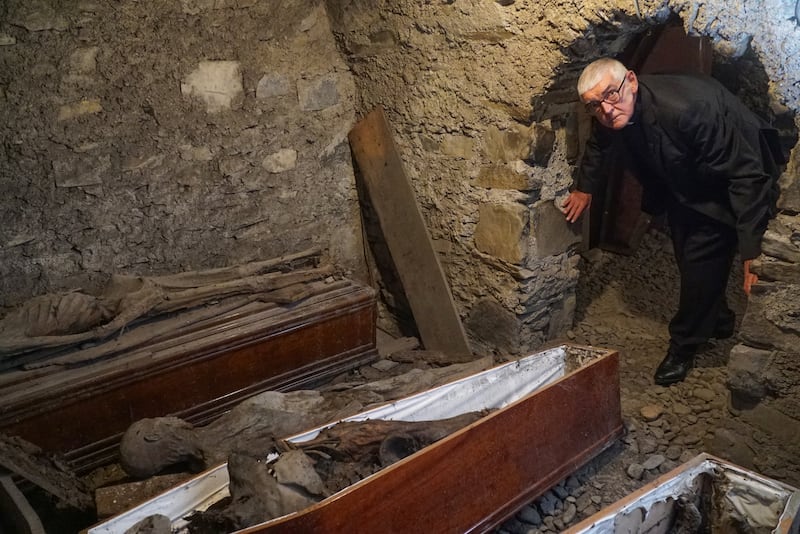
x=704 y=159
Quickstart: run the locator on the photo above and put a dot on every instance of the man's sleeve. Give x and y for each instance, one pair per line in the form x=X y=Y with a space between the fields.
x=591 y=177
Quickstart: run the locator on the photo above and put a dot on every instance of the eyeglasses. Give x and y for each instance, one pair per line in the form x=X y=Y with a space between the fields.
x=611 y=97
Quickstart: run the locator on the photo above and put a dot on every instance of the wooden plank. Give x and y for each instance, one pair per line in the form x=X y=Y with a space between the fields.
x=406 y=235
x=31 y=463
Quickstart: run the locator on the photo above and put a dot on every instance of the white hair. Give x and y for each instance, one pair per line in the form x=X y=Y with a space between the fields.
x=593 y=72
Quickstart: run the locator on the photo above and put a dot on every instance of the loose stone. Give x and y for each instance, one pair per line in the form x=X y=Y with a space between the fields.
x=653 y=461
x=547 y=504
x=635 y=471
x=651 y=412
x=673 y=452
x=569 y=513
x=561 y=491
x=529 y=514
x=705 y=394
x=583 y=502
x=647 y=445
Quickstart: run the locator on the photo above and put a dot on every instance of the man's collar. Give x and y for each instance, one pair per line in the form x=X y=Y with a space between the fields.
x=636 y=118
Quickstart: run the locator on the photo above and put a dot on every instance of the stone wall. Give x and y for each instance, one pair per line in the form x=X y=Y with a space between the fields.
x=481 y=96
x=157 y=137
x=764 y=367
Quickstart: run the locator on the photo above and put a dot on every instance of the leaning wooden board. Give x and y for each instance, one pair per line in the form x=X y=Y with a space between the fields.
x=407 y=236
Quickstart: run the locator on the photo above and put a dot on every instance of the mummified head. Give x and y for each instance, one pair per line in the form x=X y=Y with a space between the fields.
x=151 y=445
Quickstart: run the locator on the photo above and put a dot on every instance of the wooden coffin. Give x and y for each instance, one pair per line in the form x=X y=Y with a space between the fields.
x=196 y=374
x=706 y=493
x=550 y=412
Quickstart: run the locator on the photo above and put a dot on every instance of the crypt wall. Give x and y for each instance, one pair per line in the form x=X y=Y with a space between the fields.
x=481 y=97
x=152 y=138
x=200 y=133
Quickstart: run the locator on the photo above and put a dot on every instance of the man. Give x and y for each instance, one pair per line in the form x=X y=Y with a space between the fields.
x=706 y=160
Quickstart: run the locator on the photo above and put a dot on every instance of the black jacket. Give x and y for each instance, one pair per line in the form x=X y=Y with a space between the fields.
x=693 y=141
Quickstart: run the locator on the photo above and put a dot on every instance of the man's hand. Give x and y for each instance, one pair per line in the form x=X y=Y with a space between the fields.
x=575 y=204
x=749 y=278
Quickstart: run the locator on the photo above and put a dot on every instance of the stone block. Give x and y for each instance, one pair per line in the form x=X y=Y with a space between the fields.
x=781 y=239
x=543 y=140
x=552 y=233
x=561 y=316
x=782 y=378
x=494 y=324
x=459 y=146
x=572 y=138
x=218 y=84
x=283 y=160
x=84 y=60
x=771 y=320
x=500 y=231
x=195 y=153
x=768 y=268
x=747 y=371
x=533 y=144
x=507 y=145
x=317 y=94
x=502 y=177
x=272 y=85
x=37 y=16
x=779 y=425
x=790 y=187
x=733 y=446
x=73 y=170
x=77 y=109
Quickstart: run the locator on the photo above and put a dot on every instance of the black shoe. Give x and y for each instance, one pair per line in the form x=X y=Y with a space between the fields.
x=675 y=366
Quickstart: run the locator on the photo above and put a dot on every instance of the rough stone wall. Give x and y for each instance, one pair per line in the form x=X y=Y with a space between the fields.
x=764 y=367
x=156 y=137
x=456 y=81
x=481 y=97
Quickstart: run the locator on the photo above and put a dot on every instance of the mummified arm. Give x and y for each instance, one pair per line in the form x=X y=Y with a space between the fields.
x=353 y=440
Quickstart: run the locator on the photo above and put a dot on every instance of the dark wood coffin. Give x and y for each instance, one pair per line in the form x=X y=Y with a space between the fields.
x=195 y=374
x=559 y=415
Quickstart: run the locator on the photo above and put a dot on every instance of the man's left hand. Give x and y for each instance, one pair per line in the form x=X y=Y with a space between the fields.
x=749 y=278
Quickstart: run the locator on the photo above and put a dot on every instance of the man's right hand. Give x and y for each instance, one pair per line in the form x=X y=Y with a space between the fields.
x=750 y=277
x=575 y=204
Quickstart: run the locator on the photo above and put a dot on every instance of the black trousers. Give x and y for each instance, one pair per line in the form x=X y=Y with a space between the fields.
x=704 y=250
